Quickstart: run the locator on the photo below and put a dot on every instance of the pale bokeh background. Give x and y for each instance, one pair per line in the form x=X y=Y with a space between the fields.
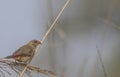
x=70 y=50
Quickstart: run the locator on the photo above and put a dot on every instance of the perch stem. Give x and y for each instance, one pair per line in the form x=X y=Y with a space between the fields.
x=56 y=19
x=46 y=34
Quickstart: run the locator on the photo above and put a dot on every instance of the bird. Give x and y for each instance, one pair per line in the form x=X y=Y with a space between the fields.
x=25 y=53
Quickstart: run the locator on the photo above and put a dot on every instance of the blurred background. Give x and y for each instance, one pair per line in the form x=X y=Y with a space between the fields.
x=71 y=49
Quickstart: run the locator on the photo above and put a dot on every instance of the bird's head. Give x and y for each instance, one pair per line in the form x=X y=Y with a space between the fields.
x=34 y=43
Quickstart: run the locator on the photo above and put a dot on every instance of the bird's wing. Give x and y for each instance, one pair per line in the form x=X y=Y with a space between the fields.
x=24 y=50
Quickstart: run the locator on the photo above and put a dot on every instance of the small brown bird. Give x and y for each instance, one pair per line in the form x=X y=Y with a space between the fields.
x=25 y=53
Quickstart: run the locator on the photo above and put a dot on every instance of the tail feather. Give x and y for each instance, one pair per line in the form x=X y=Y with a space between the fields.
x=9 y=56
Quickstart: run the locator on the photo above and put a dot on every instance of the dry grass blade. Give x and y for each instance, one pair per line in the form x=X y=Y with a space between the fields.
x=18 y=67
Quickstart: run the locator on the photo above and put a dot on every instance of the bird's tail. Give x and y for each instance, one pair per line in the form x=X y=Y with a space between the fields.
x=9 y=56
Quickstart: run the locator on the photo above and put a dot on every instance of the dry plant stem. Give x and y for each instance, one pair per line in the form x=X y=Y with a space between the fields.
x=107 y=22
x=112 y=6
x=56 y=19
x=22 y=73
x=48 y=31
x=101 y=61
x=111 y=9
x=7 y=62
